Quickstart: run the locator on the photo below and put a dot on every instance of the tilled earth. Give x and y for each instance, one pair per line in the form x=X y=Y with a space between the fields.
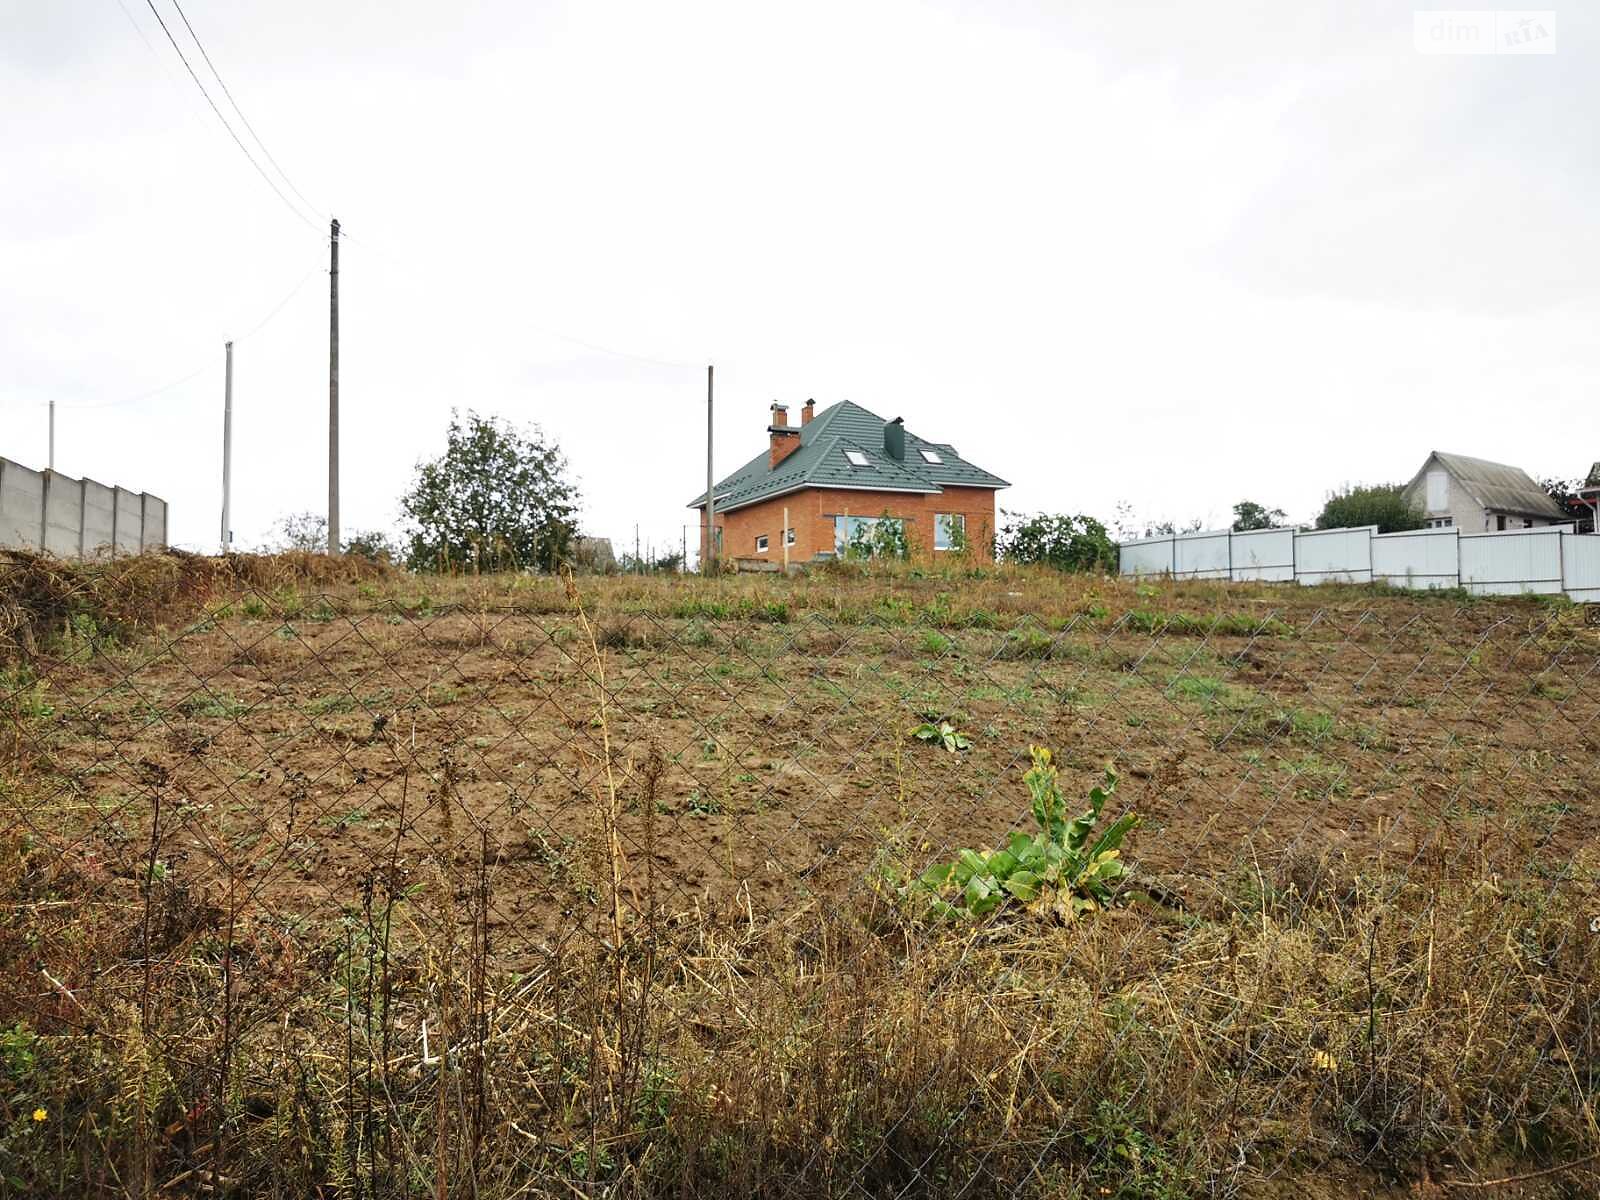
x=764 y=764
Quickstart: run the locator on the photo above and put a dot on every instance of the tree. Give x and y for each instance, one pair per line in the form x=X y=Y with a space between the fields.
x=1170 y=528
x=496 y=499
x=1565 y=493
x=1384 y=505
x=1060 y=540
x=305 y=531
x=1248 y=515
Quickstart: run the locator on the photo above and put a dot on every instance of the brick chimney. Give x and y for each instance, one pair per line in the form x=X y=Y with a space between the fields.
x=806 y=413
x=785 y=437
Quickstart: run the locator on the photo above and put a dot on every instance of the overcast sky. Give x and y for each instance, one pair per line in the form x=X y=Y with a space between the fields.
x=1170 y=254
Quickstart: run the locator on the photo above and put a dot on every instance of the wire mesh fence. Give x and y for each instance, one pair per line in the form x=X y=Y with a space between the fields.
x=647 y=887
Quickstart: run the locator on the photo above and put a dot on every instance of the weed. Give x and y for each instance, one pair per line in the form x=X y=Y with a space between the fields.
x=943 y=734
x=1058 y=869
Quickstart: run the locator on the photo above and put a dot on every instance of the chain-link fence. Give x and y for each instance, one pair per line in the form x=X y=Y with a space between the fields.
x=757 y=887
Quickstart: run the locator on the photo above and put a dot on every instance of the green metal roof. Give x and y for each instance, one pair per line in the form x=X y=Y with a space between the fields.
x=821 y=462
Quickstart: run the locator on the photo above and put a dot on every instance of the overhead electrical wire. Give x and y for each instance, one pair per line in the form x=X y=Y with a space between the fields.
x=201 y=370
x=243 y=149
x=234 y=104
x=289 y=183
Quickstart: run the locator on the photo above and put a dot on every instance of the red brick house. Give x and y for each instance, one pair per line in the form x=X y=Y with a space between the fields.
x=835 y=475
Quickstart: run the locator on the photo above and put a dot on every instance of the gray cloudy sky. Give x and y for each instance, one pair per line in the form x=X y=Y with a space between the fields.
x=1169 y=253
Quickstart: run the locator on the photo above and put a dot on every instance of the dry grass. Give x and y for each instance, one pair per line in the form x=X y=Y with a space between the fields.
x=1320 y=1015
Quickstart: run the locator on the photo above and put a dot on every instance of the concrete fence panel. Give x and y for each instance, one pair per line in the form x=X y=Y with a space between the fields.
x=1334 y=555
x=99 y=519
x=1201 y=555
x=63 y=509
x=1263 y=554
x=21 y=506
x=154 y=533
x=1580 y=566
x=1418 y=558
x=1147 y=556
x=1512 y=563
x=129 y=522
x=68 y=517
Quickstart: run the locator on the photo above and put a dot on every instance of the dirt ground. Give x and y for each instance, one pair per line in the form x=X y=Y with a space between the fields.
x=306 y=745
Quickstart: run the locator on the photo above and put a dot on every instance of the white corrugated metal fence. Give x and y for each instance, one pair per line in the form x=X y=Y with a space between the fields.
x=1548 y=560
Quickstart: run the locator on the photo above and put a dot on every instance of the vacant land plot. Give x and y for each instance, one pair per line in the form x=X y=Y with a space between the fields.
x=372 y=885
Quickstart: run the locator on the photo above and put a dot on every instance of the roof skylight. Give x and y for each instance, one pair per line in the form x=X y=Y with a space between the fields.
x=930 y=456
x=857 y=459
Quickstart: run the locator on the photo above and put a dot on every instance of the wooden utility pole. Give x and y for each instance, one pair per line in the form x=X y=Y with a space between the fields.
x=333 y=393
x=786 y=540
x=708 y=558
x=227 y=451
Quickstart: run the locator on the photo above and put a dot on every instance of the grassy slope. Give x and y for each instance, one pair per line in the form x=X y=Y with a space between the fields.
x=1369 y=815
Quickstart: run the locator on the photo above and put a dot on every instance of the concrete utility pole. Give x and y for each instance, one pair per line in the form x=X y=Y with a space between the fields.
x=333 y=394
x=708 y=557
x=227 y=450
x=52 y=435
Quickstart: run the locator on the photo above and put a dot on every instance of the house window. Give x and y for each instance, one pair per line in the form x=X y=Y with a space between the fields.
x=857 y=459
x=761 y=544
x=949 y=531
x=788 y=537
x=1527 y=522
x=931 y=456
x=860 y=537
x=1500 y=521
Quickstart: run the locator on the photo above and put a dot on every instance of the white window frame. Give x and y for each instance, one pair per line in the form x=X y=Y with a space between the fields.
x=761 y=543
x=959 y=521
x=931 y=456
x=857 y=458
x=788 y=537
x=844 y=529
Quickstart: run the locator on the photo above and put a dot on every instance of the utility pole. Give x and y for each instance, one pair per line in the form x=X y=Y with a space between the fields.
x=227 y=451
x=638 y=563
x=683 y=554
x=52 y=435
x=708 y=558
x=333 y=394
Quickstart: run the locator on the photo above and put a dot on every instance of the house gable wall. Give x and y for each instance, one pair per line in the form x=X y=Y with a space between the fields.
x=812 y=512
x=1466 y=514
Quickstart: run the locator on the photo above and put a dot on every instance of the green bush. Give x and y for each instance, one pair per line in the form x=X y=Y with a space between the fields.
x=1383 y=505
x=1060 y=540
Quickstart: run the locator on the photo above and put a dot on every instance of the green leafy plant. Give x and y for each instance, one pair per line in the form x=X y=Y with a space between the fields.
x=1388 y=506
x=1060 y=540
x=943 y=733
x=878 y=537
x=498 y=498
x=1064 y=869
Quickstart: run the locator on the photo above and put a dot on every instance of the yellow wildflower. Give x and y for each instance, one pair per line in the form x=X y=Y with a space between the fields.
x=39 y=1114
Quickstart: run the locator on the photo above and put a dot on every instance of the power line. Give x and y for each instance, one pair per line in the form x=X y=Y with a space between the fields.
x=407 y=272
x=199 y=371
x=243 y=149
x=235 y=106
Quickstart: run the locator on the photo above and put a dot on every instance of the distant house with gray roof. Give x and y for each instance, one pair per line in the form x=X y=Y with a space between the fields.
x=820 y=485
x=1476 y=495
